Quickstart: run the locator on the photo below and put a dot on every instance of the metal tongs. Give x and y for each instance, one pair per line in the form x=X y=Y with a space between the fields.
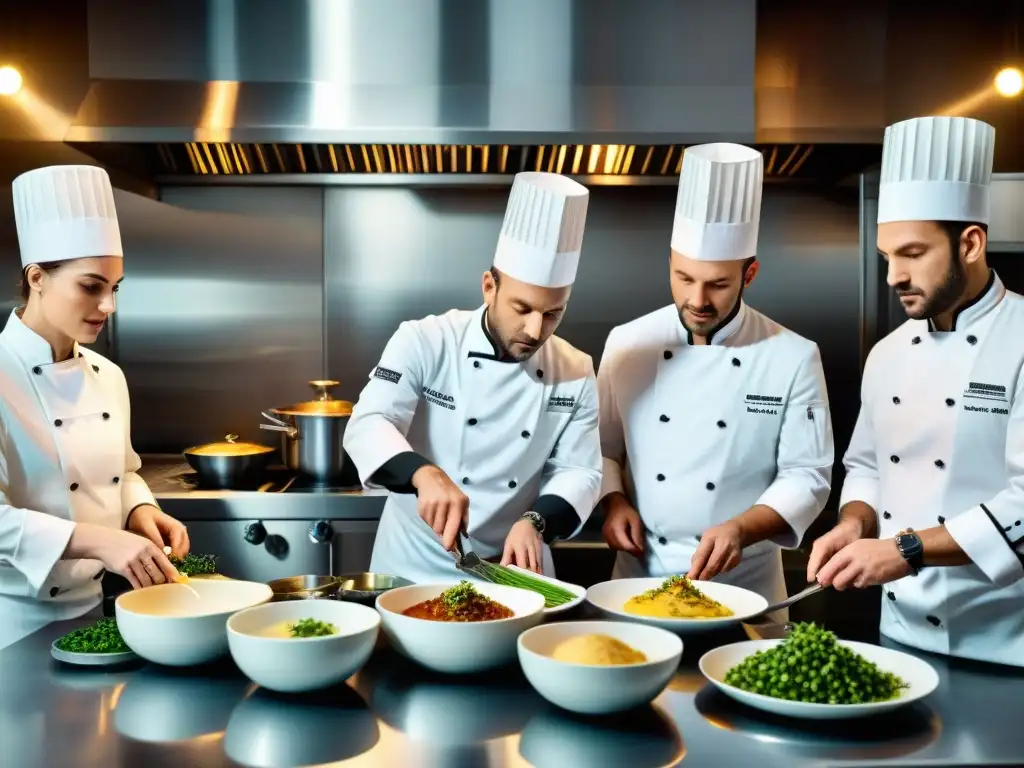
x=469 y=562
x=758 y=627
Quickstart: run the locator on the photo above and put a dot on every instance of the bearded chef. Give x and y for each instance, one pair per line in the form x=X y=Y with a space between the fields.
x=933 y=503
x=482 y=421
x=715 y=425
x=71 y=501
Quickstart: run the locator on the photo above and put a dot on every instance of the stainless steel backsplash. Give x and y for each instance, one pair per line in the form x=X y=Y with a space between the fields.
x=235 y=297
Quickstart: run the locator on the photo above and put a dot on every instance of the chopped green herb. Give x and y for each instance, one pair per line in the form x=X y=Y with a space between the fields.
x=100 y=637
x=194 y=565
x=312 y=628
x=811 y=666
x=460 y=593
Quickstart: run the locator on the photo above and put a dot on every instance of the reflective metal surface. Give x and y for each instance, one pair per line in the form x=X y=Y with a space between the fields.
x=439 y=71
x=220 y=313
x=304 y=587
x=367 y=587
x=392 y=713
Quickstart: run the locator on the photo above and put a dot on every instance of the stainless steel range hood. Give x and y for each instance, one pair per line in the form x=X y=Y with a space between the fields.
x=425 y=91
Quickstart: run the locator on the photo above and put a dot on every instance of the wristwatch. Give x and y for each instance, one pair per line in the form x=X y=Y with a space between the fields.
x=536 y=520
x=912 y=549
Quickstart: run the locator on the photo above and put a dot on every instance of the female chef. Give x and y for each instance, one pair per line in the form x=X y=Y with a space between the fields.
x=71 y=502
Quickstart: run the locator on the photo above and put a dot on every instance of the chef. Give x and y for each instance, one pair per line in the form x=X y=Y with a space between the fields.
x=715 y=425
x=483 y=421
x=71 y=502
x=933 y=503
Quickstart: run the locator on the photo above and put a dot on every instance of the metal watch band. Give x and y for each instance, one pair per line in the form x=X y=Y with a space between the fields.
x=536 y=520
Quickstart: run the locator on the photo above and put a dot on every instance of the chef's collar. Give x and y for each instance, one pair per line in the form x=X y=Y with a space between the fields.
x=733 y=321
x=27 y=345
x=479 y=341
x=975 y=309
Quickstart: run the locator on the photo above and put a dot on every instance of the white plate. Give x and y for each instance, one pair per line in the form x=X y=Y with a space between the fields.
x=919 y=674
x=610 y=596
x=90 y=659
x=576 y=589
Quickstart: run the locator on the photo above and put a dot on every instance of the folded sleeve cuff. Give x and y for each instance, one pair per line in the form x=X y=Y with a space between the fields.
x=396 y=474
x=611 y=478
x=982 y=538
x=795 y=504
x=560 y=518
x=43 y=540
x=863 y=489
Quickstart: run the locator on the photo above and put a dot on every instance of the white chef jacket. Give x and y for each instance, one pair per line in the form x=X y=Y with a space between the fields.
x=65 y=458
x=696 y=435
x=505 y=432
x=940 y=441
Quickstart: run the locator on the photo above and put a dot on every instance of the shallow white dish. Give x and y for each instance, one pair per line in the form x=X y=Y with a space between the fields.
x=182 y=625
x=458 y=647
x=919 y=674
x=592 y=689
x=576 y=589
x=289 y=665
x=91 y=659
x=609 y=597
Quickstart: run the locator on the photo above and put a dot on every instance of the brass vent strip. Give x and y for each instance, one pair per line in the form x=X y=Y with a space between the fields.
x=802 y=160
x=792 y=154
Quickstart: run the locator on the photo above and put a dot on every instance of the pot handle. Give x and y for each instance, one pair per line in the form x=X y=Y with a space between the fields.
x=290 y=431
x=278 y=425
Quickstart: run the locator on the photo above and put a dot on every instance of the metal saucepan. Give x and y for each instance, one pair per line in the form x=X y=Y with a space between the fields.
x=366 y=587
x=229 y=464
x=307 y=587
x=312 y=434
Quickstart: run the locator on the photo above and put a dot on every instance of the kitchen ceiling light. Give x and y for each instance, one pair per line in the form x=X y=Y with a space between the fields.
x=1009 y=82
x=10 y=81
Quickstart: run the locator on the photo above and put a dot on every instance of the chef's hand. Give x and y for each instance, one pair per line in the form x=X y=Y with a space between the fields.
x=864 y=563
x=523 y=547
x=135 y=557
x=623 y=529
x=441 y=503
x=720 y=550
x=160 y=528
x=828 y=545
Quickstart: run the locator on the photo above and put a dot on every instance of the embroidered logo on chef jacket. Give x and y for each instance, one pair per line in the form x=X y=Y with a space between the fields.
x=994 y=394
x=764 y=404
x=386 y=374
x=439 y=398
x=562 y=403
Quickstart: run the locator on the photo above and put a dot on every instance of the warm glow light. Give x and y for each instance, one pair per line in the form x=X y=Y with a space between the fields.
x=10 y=81
x=1009 y=82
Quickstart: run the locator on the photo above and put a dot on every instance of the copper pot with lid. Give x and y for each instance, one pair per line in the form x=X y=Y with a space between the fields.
x=229 y=464
x=312 y=434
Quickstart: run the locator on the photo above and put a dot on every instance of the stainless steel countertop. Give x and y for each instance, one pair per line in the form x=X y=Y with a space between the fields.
x=394 y=714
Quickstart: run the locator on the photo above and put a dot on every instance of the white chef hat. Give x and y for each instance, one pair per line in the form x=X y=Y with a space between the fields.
x=65 y=212
x=936 y=169
x=718 y=206
x=542 y=234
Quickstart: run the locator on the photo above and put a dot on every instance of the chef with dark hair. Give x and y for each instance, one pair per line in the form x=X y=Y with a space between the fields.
x=933 y=504
x=483 y=421
x=715 y=424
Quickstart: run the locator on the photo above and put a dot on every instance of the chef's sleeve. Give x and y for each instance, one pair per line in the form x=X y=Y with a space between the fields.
x=134 y=490
x=805 y=454
x=30 y=542
x=572 y=472
x=861 y=459
x=375 y=437
x=613 y=436
x=992 y=533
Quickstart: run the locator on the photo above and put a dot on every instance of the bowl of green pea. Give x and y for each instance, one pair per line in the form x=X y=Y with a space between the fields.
x=813 y=674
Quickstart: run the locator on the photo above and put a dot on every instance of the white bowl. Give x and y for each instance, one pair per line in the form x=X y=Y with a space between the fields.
x=182 y=625
x=610 y=596
x=919 y=674
x=296 y=664
x=576 y=589
x=458 y=647
x=593 y=689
